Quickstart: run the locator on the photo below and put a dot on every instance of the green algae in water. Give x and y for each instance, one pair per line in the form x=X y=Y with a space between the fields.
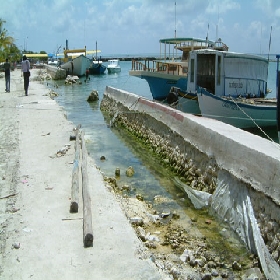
x=225 y=243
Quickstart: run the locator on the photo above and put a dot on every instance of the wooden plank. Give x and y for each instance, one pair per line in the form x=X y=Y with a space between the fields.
x=74 y=205
x=87 y=225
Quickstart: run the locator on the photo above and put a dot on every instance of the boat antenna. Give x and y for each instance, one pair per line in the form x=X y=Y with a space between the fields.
x=96 y=50
x=207 y=39
x=175 y=20
x=269 y=42
x=175 y=31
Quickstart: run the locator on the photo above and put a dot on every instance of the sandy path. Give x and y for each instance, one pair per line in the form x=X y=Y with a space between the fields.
x=37 y=218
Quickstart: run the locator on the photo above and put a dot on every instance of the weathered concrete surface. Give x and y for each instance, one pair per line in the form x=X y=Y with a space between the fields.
x=39 y=237
x=55 y=72
x=239 y=169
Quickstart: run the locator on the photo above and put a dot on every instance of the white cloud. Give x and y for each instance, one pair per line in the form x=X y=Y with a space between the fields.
x=135 y=26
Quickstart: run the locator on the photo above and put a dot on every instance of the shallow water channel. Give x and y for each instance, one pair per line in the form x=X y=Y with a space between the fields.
x=151 y=178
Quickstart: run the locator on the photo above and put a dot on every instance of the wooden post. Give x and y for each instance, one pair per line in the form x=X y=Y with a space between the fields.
x=74 y=206
x=88 y=233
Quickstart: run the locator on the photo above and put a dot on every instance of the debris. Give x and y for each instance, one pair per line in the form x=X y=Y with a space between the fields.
x=16 y=245
x=9 y=195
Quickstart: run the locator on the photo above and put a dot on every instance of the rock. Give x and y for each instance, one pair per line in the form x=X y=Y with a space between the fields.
x=211 y=264
x=93 y=96
x=71 y=79
x=151 y=237
x=154 y=218
x=187 y=255
x=214 y=273
x=175 y=272
x=206 y=276
x=165 y=213
x=117 y=171
x=236 y=266
x=252 y=273
x=129 y=171
x=136 y=221
x=175 y=216
x=141 y=233
x=16 y=245
x=125 y=188
x=150 y=245
x=139 y=197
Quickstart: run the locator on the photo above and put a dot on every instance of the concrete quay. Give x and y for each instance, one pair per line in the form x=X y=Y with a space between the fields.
x=243 y=167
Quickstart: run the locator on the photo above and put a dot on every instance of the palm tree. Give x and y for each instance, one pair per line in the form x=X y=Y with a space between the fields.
x=5 y=41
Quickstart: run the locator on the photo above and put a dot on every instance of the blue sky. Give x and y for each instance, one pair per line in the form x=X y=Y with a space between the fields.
x=134 y=26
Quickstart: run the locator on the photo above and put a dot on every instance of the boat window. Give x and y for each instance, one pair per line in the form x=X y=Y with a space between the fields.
x=192 y=70
x=206 y=71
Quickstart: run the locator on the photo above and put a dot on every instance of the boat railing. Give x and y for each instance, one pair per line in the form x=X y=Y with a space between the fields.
x=158 y=66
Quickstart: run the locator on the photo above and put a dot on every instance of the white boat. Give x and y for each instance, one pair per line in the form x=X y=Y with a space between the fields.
x=53 y=61
x=113 y=66
x=231 y=87
x=169 y=71
x=239 y=112
x=76 y=62
x=77 y=66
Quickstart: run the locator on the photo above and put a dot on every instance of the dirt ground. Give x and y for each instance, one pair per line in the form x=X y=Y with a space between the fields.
x=40 y=238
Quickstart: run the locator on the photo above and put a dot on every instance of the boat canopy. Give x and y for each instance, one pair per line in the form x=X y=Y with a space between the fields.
x=39 y=55
x=188 y=40
x=189 y=44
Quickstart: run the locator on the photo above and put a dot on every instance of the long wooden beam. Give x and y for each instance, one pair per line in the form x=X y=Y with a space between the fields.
x=87 y=225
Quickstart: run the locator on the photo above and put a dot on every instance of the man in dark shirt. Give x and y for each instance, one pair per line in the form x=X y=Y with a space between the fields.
x=7 y=68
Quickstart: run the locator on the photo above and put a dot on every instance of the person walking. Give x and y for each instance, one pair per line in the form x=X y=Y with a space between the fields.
x=7 y=67
x=25 y=67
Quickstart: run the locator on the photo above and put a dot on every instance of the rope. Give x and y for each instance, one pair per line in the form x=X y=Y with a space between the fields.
x=268 y=137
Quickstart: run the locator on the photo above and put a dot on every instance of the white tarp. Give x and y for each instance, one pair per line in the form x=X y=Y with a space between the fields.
x=245 y=67
x=231 y=201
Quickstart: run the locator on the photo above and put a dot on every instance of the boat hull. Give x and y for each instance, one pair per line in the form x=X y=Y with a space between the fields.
x=112 y=70
x=238 y=114
x=183 y=101
x=80 y=65
x=97 y=69
x=161 y=83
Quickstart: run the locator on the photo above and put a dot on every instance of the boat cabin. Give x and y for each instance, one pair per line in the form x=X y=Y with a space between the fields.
x=227 y=73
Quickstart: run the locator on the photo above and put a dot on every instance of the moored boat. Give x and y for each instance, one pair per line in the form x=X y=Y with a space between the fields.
x=76 y=62
x=183 y=101
x=113 y=66
x=97 y=68
x=231 y=87
x=168 y=72
x=239 y=112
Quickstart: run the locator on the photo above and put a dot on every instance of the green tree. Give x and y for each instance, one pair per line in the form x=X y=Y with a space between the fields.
x=7 y=46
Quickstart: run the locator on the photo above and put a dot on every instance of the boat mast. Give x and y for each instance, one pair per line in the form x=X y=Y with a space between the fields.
x=96 y=50
x=269 y=42
x=175 y=32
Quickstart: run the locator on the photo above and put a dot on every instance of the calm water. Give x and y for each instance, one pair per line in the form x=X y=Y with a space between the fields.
x=102 y=140
x=150 y=177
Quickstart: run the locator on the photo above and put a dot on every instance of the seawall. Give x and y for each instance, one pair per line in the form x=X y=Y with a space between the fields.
x=55 y=72
x=238 y=169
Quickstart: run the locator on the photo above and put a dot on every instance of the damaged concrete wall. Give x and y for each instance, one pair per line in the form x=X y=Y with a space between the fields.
x=198 y=149
x=55 y=72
